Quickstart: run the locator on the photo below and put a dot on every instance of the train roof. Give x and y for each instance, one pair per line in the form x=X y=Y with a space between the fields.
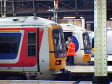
x=28 y=21
x=71 y=27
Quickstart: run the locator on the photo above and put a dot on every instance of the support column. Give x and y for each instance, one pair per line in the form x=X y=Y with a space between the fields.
x=56 y=10
x=100 y=67
x=3 y=8
x=34 y=9
x=13 y=8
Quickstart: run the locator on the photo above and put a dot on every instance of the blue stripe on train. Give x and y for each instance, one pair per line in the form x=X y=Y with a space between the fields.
x=8 y=56
x=75 y=41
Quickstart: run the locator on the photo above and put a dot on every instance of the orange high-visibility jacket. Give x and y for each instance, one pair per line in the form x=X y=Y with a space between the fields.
x=71 y=50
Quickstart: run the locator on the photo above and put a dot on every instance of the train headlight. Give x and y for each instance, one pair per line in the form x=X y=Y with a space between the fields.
x=58 y=62
x=87 y=51
x=86 y=58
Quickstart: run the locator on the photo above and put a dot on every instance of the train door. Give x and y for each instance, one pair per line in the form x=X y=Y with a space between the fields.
x=76 y=37
x=30 y=50
x=66 y=35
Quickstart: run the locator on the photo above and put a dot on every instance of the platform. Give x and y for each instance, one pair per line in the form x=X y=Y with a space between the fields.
x=42 y=82
x=89 y=68
x=85 y=68
x=109 y=58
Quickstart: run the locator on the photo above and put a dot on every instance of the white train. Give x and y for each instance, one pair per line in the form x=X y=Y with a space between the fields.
x=31 y=48
x=109 y=46
x=82 y=40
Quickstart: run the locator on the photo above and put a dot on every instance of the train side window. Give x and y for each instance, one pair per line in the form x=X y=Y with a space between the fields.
x=31 y=44
x=9 y=45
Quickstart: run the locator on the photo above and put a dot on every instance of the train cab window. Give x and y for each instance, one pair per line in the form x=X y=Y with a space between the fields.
x=9 y=45
x=86 y=41
x=59 y=43
x=32 y=44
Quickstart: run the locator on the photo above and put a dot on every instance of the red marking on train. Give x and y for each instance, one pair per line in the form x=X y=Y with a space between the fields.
x=24 y=59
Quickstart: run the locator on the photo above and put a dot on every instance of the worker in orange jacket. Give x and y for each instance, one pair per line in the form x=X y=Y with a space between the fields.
x=71 y=53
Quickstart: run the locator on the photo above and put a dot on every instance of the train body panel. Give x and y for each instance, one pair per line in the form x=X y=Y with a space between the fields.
x=44 y=57
x=109 y=41
x=29 y=45
x=79 y=47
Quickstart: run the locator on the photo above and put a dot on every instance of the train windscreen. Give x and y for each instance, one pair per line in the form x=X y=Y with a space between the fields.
x=59 y=43
x=87 y=41
x=9 y=45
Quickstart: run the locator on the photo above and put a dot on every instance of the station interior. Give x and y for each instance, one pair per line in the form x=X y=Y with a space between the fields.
x=87 y=22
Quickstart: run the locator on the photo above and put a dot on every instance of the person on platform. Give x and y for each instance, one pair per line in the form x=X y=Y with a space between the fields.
x=67 y=42
x=71 y=53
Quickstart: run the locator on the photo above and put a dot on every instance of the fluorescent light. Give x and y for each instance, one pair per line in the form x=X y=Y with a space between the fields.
x=110 y=18
x=81 y=17
x=69 y=17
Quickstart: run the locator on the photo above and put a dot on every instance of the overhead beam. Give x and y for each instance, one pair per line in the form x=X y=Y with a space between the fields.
x=39 y=0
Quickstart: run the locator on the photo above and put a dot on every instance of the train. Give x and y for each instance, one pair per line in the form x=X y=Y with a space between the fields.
x=109 y=46
x=31 y=48
x=83 y=41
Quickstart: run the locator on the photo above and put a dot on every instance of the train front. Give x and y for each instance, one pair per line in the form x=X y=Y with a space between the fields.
x=57 y=48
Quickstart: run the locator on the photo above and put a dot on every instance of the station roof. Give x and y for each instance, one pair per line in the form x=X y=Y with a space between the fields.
x=43 y=8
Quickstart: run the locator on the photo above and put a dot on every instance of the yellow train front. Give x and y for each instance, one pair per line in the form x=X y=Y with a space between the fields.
x=31 y=48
